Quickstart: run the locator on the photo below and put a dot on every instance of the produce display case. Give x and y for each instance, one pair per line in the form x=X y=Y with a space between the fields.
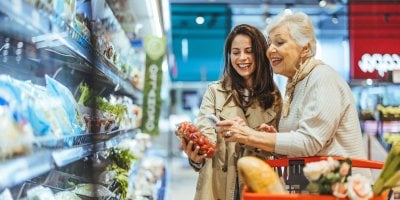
x=38 y=41
x=296 y=182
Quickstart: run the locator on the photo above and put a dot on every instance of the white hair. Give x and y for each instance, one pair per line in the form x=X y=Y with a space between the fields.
x=300 y=28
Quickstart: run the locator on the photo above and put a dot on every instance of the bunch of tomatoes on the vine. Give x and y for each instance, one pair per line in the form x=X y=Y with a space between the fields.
x=190 y=132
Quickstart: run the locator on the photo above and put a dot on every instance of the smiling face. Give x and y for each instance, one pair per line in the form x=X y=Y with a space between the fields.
x=242 y=57
x=283 y=52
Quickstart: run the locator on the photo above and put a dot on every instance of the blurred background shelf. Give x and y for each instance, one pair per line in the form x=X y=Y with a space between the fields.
x=18 y=170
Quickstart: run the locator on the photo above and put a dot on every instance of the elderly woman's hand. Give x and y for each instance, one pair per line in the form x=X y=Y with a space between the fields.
x=267 y=128
x=235 y=130
x=192 y=153
x=224 y=128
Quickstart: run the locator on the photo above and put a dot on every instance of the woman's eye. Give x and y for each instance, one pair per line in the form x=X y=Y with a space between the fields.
x=280 y=42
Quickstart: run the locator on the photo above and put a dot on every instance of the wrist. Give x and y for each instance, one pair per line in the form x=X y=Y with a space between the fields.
x=196 y=166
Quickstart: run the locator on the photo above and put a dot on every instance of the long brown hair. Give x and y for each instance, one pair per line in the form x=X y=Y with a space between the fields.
x=263 y=88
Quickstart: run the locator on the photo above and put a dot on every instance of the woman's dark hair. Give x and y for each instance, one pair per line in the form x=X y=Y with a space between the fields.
x=263 y=88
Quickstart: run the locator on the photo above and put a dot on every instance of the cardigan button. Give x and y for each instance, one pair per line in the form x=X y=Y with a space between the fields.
x=224 y=168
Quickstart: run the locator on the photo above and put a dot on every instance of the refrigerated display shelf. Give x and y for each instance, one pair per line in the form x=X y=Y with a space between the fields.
x=44 y=159
x=69 y=155
x=160 y=187
x=75 y=47
x=68 y=42
x=35 y=20
x=20 y=169
x=82 y=139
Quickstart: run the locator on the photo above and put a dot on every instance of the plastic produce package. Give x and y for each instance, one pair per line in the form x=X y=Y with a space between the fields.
x=68 y=102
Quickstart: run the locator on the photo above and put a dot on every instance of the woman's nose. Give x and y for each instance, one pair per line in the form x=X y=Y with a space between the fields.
x=271 y=49
x=242 y=56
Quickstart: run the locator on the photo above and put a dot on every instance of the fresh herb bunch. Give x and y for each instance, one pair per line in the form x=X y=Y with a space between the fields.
x=86 y=99
x=121 y=179
x=121 y=157
x=117 y=110
x=86 y=94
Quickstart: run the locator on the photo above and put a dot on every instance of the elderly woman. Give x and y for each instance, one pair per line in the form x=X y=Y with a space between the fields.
x=319 y=116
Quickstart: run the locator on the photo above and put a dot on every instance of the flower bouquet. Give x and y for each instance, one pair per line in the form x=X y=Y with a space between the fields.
x=332 y=177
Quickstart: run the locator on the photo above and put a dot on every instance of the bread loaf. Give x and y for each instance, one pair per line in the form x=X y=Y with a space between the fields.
x=259 y=176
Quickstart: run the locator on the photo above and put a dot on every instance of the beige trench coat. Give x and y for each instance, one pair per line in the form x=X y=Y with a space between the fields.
x=217 y=177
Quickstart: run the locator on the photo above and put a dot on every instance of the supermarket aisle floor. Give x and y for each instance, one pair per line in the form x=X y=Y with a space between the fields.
x=182 y=180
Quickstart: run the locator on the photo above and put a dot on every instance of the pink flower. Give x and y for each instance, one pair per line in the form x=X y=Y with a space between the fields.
x=358 y=188
x=332 y=163
x=339 y=190
x=314 y=170
x=344 y=169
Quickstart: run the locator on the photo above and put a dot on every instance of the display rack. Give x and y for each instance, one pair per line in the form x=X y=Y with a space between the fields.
x=65 y=47
x=57 y=36
x=24 y=168
x=42 y=160
x=160 y=187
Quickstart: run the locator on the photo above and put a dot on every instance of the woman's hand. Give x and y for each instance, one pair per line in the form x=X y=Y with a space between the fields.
x=235 y=130
x=267 y=128
x=192 y=153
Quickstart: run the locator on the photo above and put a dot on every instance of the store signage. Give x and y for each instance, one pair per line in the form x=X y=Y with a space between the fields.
x=374 y=39
x=380 y=63
x=155 y=50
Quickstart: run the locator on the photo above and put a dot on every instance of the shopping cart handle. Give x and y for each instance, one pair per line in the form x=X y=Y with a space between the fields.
x=284 y=162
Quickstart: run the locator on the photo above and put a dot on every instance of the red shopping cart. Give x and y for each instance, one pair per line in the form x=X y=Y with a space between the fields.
x=296 y=182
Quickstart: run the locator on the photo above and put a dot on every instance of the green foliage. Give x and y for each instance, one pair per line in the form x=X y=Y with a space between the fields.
x=121 y=178
x=121 y=157
x=87 y=96
x=117 y=110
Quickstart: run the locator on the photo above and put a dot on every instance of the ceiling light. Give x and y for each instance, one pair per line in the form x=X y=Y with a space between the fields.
x=268 y=20
x=288 y=11
x=369 y=81
x=287 y=8
x=200 y=20
x=185 y=48
x=322 y=3
x=335 y=19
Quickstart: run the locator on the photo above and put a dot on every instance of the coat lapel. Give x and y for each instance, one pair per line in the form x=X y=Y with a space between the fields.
x=255 y=116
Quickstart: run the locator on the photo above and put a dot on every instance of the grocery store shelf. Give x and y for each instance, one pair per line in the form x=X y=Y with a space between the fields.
x=124 y=134
x=53 y=34
x=162 y=185
x=70 y=155
x=36 y=21
x=17 y=170
x=67 y=46
x=101 y=142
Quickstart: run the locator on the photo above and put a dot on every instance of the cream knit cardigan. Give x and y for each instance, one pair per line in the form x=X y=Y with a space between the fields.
x=323 y=119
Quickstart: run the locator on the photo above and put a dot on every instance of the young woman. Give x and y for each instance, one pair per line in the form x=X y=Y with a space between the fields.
x=245 y=93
